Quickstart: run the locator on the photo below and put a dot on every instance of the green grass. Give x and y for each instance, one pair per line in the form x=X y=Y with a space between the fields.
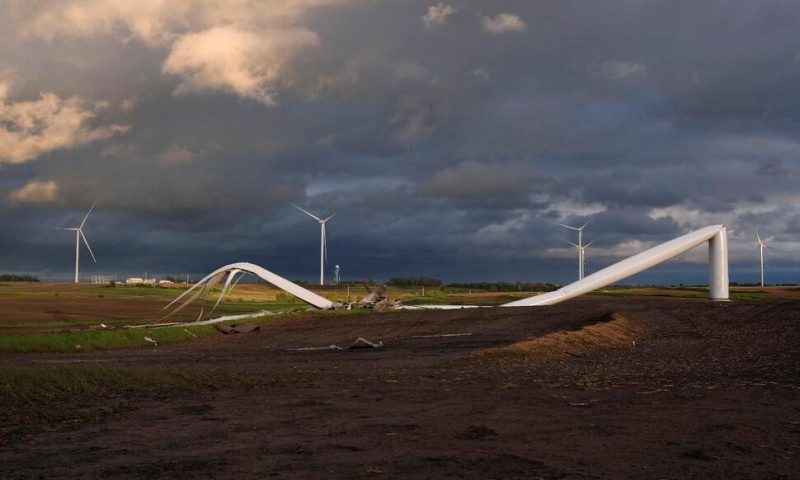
x=121 y=338
x=686 y=292
x=98 y=339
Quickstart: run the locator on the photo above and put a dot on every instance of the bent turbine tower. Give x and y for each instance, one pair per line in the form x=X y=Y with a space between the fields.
x=715 y=235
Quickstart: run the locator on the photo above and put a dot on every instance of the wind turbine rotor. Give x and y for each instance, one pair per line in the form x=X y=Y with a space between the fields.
x=306 y=212
x=569 y=226
x=87 y=244
x=87 y=214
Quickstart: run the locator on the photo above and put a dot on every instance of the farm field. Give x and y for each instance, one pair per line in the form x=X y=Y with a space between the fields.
x=627 y=383
x=29 y=307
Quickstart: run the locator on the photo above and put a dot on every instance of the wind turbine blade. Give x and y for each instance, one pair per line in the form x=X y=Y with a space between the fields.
x=574 y=245
x=306 y=212
x=567 y=226
x=87 y=244
x=587 y=245
x=325 y=242
x=87 y=214
x=224 y=289
x=584 y=226
x=323 y=221
x=244 y=274
x=758 y=237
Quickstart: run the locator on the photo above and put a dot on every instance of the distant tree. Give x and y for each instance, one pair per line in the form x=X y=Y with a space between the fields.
x=9 y=277
x=505 y=286
x=415 y=282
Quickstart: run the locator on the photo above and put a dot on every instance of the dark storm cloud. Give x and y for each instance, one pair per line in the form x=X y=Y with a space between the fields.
x=447 y=148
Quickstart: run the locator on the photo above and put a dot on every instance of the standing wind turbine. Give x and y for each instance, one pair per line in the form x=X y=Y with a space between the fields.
x=761 y=246
x=581 y=254
x=323 y=243
x=78 y=236
x=580 y=245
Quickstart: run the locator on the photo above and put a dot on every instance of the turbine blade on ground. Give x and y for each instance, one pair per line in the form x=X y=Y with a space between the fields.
x=209 y=283
x=243 y=274
x=224 y=289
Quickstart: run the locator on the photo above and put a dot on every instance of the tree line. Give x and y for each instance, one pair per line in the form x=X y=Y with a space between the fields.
x=487 y=286
x=10 y=277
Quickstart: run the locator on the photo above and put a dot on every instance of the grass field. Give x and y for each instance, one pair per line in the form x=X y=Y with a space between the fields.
x=57 y=317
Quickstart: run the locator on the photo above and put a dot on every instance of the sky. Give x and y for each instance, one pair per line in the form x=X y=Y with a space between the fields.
x=448 y=137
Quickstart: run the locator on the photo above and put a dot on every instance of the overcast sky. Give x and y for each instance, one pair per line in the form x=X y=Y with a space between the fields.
x=447 y=136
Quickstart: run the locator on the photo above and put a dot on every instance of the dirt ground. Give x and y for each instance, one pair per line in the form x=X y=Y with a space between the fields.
x=593 y=388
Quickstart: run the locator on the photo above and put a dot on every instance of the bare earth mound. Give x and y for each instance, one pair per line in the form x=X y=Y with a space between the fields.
x=613 y=330
x=710 y=390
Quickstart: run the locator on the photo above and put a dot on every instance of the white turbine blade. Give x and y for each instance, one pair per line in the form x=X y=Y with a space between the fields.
x=567 y=226
x=325 y=243
x=758 y=237
x=224 y=289
x=306 y=212
x=87 y=214
x=243 y=274
x=587 y=245
x=574 y=245
x=323 y=221
x=87 y=244
x=584 y=226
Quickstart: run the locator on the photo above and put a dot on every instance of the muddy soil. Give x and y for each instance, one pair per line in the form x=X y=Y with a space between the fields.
x=594 y=388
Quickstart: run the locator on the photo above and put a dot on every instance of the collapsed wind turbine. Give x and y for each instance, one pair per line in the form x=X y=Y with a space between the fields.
x=323 y=243
x=78 y=235
x=580 y=246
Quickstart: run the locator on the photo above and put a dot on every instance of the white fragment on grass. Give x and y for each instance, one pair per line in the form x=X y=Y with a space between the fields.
x=444 y=335
x=148 y=339
x=190 y=333
x=260 y=313
x=359 y=342
x=103 y=325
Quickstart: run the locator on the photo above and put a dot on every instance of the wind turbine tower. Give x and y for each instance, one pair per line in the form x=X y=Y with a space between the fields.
x=78 y=236
x=581 y=248
x=761 y=246
x=323 y=245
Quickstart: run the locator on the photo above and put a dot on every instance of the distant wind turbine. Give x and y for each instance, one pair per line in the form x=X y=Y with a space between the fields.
x=580 y=245
x=323 y=243
x=78 y=236
x=761 y=246
x=581 y=254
